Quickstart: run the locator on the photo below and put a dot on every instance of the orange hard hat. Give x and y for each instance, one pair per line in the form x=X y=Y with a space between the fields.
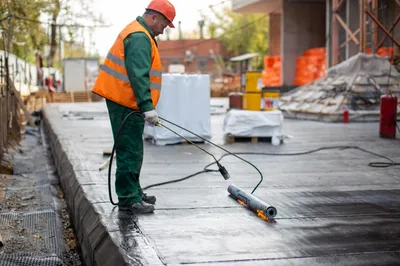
x=164 y=7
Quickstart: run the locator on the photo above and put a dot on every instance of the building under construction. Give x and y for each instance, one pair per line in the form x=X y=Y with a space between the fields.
x=343 y=27
x=335 y=51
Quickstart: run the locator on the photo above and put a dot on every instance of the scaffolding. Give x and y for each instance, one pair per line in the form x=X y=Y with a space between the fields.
x=366 y=26
x=363 y=37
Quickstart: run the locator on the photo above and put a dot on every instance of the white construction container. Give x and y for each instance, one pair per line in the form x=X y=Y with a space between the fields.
x=80 y=74
x=185 y=100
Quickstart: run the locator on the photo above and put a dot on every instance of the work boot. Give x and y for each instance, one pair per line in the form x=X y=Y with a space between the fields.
x=148 y=199
x=140 y=207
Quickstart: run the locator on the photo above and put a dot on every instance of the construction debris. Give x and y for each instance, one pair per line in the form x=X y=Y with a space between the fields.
x=355 y=85
x=28 y=117
x=105 y=164
x=107 y=152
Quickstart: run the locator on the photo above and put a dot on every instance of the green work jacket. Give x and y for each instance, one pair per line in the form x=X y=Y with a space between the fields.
x=137 y=49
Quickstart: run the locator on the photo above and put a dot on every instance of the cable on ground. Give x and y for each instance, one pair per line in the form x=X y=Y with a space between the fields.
x=221 y=169
x=207 y=170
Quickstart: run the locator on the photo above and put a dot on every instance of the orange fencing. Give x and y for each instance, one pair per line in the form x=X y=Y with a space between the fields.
x=271 y=75
x=383 y=51
x=310 y=66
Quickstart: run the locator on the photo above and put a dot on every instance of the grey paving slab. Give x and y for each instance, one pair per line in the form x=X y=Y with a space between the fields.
x=333 y=209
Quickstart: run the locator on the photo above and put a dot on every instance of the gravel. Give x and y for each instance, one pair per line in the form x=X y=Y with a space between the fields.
x=34 y=219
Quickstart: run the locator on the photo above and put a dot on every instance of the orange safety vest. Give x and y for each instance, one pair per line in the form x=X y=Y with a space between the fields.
x=113 y=83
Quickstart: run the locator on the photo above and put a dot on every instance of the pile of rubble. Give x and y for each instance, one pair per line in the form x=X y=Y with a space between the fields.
x=355 y=84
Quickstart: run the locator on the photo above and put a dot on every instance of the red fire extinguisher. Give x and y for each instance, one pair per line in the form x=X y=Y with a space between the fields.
x=388 y=116
x=346 y=116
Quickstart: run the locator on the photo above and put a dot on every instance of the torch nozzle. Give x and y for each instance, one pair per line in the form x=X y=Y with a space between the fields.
x=223 y=171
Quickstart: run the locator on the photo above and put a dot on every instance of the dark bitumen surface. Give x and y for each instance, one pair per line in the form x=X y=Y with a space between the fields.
x=333 y=208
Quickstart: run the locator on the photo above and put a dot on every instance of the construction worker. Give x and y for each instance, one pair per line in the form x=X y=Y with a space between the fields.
x=130 y=79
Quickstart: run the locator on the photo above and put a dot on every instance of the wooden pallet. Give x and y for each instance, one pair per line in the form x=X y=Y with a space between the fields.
x=71 y=97
x=183 y=142
x=236 y=139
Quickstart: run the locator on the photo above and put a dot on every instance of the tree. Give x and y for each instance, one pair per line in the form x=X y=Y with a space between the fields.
x=66 y=20
x=65 y=14
x=212 y=30
x=174 y=34
x=27 y=35
x=73 y=50
x=241 y=33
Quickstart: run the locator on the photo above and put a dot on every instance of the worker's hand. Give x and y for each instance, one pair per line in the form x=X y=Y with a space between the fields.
x=151 y=117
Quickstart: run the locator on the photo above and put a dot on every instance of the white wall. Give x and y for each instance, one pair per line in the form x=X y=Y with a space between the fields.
x=25 y=74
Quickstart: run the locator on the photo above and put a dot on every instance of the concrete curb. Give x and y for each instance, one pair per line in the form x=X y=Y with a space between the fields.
x=97 y=244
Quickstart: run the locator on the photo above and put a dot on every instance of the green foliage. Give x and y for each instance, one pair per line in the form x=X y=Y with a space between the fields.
x=30 y=35
x=241 y=33
x=66 y=13
x=27 y=36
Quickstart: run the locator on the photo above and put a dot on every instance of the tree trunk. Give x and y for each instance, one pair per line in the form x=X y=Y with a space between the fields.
x=53 y=34
x=53 y=42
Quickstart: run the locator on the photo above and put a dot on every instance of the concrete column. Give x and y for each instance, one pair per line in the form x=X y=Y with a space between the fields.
x=303 y=27
x=396 y=34
x=328 y=30
x=274 y=34
x=353 y=22
x=342 y=12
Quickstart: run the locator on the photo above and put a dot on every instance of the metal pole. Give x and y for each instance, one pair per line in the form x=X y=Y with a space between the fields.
x=362 y=26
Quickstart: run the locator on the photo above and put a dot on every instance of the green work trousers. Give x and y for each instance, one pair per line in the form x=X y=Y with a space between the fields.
x=128 y=152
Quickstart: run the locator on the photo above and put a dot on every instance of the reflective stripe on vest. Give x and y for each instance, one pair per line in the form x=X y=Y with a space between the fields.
x=123 y=77
x=113 y=81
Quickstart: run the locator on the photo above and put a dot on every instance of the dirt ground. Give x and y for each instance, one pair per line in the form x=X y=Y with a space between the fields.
x=34 y=219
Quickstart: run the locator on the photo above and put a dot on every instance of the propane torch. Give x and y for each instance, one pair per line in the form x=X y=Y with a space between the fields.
x=247 y=199
x=252 y=202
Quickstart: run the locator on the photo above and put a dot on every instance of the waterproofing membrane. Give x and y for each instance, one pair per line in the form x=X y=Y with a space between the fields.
x=332 y=208
x=99 y=246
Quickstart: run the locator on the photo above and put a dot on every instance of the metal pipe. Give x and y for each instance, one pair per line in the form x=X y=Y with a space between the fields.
x=252 y=202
